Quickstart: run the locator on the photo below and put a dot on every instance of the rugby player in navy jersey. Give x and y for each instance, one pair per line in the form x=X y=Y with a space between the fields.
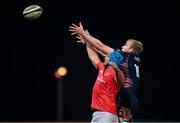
x=127 y=98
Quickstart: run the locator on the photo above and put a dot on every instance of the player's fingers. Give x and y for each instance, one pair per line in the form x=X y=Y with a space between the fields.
x=80 y=42
x=80 y=24
x=72 y=30
x=71 y=27
x=78 y=37
x=74 y=25
x=73 y=33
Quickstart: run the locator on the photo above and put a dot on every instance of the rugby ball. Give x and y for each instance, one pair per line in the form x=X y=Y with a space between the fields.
x=32 y=12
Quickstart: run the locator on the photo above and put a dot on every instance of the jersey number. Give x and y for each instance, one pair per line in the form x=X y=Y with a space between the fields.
x=137 y=70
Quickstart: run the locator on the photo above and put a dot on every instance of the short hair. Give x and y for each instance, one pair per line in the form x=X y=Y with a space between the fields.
x=137 y=46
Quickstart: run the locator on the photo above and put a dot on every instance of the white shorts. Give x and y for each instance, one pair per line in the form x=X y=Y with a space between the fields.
x=104 y=117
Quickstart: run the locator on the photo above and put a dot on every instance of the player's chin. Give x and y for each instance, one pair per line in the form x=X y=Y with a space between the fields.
x=122 y=50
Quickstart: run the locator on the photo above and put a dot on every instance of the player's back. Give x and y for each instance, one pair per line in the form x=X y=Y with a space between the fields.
x=130 y=67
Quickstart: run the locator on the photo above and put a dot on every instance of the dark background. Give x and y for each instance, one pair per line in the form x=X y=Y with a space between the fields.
x=33 y=50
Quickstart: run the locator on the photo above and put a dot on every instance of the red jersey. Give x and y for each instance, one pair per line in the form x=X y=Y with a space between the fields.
x=105 y=90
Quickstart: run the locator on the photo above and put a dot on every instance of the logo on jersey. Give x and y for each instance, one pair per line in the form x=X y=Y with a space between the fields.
x=137 y=59
x=107 y=74
x=100 y=79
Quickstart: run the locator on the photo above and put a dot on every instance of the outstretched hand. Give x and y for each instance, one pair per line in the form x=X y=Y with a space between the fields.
x=74 y=29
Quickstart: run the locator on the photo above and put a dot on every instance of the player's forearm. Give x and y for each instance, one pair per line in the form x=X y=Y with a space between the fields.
x=95 y=49
x=99 y=52
x=96 y=43
x=91 y=53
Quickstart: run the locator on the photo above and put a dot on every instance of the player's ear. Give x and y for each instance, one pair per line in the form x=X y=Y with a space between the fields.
x=131 y=50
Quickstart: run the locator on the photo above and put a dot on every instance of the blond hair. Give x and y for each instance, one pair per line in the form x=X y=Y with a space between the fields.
x=136 y=45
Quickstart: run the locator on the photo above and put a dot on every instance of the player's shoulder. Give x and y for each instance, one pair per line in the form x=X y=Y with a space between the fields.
x=133 y=57
x=137 y=58
x=100 y=65
x=127 y=55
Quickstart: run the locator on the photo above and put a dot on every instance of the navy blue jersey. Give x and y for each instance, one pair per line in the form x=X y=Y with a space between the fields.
x=130 y=68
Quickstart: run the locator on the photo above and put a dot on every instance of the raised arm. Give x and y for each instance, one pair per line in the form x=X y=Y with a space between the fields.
x=114 y=56
x=90 y=50
x=90 y=39
x=82 y=40
x=92 y=53
x=93 y=56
